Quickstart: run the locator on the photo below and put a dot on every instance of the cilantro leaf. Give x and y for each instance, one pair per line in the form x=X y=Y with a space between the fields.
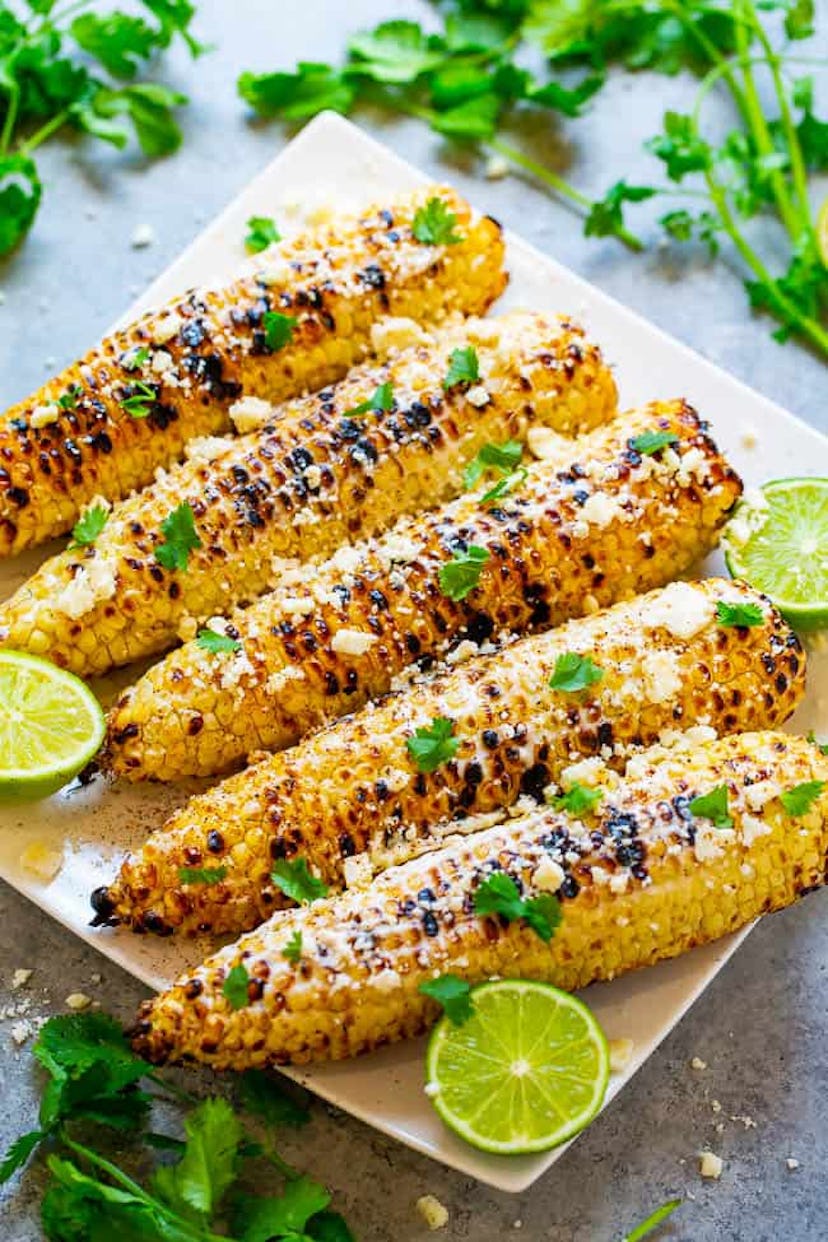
x=19 y=1153
x=498 y=894
x=293 y=949
x=503 y=458
x=295 y=880
x=569 y=101
x=606 y=215
x=149 y=107
x=234 y=987
x=180 y=538
x=799 y=800
x=578 y=799
x=328 y=1227
x=78 y=1207
x=454 y=994
x=472 y=119
x=201 y=875
x=140 y=401
x=461 y=574
x=261 y=233
x=135 y=359
x=573 y=672
x=207 y=1168
x=88 y=526
x=433 y=745
x=68 y=400
x=739 y=615
x=297 y=96
x=93 y=1072
x=216 y=643
x=381 y=400
x=262 y=1095
x=395 y=53
x=118 y=40
x=650 y=442
x=20 y=194
x=278 y=329
x=713 y=806
x=259 y=1219
x=464 y=367
x=653 y=1221
x=680 y=147
x=504 y=486
x=434 y=224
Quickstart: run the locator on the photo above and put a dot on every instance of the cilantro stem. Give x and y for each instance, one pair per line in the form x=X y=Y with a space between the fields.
x=39 y=136
x=789 y=312
x=11 y=115
x=712 y=53
x=558 y=184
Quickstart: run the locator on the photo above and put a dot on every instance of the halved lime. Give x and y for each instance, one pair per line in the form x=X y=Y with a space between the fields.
x=777 y=540
x=51 y=725
x=525 y=1072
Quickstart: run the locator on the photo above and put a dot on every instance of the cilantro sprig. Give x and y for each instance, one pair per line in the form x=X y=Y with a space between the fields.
x=464 y=368
x=381 y=401
x=739 y=616
x=142 y=397
x=433 y=745
x=261 y=233
x=578 y=799
x=469 y=82
x=295 y=880
x=713 y=806
x=453 y=994
x=180 y=538
x=278 y=329
x=799 y=800
x=96 y=1089
x=201 y=875
x=573 y=673
x=498 y=894
x=215 y=643
x=499 y=459
x=462 y=573
x=89 y=526
x=77 y=67
x=651 y=442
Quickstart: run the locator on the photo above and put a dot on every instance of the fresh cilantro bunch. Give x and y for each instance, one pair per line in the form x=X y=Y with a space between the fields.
x=75 y=66
x=469 y=80
x=95 y=1080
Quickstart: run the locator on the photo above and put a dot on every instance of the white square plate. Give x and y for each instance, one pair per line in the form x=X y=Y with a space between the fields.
x=92 y=828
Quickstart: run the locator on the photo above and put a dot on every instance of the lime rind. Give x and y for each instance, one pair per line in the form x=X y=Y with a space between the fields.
x=777 y=540
x=51 y=725
x=526 y=1072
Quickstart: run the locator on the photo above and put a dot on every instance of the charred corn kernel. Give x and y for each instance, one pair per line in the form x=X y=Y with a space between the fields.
x=192 y=359
x=609 y=525
x=643 y=881
x=311 y=479
x=351 y=801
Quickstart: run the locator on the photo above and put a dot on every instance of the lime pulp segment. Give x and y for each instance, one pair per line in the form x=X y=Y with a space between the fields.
x=527 y=1071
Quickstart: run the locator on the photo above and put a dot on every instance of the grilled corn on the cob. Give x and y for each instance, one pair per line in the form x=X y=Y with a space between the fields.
x=308 y=481
x=641 y=879
x=104 y=424
x=351 y=798
x=562 y=542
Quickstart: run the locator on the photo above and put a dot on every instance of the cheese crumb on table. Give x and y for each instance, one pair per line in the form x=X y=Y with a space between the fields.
x=710 y=1165
x=78 y=1001
x=21 y=977
x=792 y=1163
x=41 y=860
x=142 y=236
x=620 y=1051
x=697 y=1063
x=432 y=1211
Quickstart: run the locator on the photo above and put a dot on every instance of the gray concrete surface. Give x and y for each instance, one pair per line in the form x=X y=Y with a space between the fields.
x=761 y=1026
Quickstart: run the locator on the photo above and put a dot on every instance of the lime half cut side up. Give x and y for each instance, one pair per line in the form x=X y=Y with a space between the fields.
x=51 y=725
x=525 y=1072
x=777 y=540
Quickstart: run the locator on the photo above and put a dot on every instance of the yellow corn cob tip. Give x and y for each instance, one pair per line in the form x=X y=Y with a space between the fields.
x=642 y=879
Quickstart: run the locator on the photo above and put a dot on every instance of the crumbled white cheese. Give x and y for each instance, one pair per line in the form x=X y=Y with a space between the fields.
x=312 y=476
x=757 y=796
x=95 y=582
x=715 y=1106
x=205 y=448
x=352 y=642
x=78 y=1001
x=357 y=871
x=548 y=876
x=601 y=509
x=296 y=606
x=432 y=1211
x=620 y=882
x=41 y=860
x=750 y=516
x=620 y=1051
x=162 y=361
x=496 y=168
x=693 y=468
x=681 y=609
x=791 y=1163
x=697 y=1063
x=478 y=396
x=143 y=235
x=710 y=1165
x=662 y=680
x=400 y=549
x=21 y=1031
x=250 y=413
x=432 y=1089
x=167 y=327
x=709 y=840
x=387 y=981
x=544 y=442
x=21 y=977
x=45 y=415
x=395 y=332
x=591 y=772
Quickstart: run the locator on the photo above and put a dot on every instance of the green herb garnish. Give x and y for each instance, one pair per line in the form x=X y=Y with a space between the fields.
x=235 y=986
x=434 y=224
x=650 y=442
x=180 y=538
x=799 y=800
x=136 y=358
x=739 y=615
x=462 y=573
x=382 y=399
x=293 y=949
x=216 y=643
x=503 y=459
x=261 y=233
x=201 y=875
x=88 y=526
x=140 y=401
x=434 y=745
x=504 y=486
x=578 y=799
x=278 y=329
x=464 y=367
x=500 y=895
x=295 y=880
x=713 y=806
x=653 y=1221
x=454 y=994
x=573 y=673
x=68 y=400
